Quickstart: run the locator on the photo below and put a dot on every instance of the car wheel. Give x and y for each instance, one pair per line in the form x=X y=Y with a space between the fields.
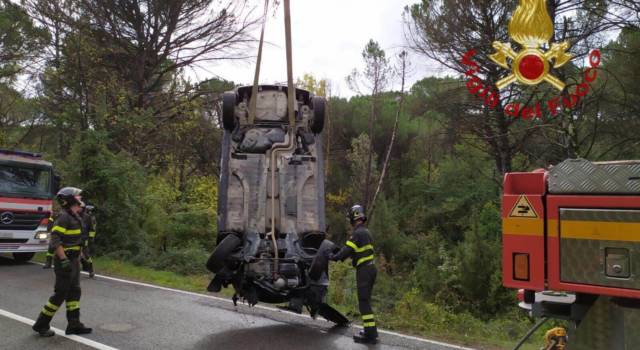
x=228 y=110
x=23 y=257
x=320 y=262
x=222 y=251
x=319 y=112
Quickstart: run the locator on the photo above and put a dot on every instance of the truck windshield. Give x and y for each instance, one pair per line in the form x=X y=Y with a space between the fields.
x=25 y=181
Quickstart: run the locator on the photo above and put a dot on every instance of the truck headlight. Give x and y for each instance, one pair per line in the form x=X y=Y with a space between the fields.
x=41 y=235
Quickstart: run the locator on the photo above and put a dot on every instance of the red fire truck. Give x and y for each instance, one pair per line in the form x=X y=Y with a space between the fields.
x=27 y=186
x=571 y=244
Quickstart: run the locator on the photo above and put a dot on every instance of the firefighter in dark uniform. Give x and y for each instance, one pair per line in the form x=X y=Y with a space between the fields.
x=359 y=248
x=66 y=241
x=87 y=251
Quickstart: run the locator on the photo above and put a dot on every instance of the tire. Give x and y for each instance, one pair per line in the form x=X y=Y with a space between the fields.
x=319 y=113
x=222 y=251
x=23 y=257
x=228 y=110
x=320 y=262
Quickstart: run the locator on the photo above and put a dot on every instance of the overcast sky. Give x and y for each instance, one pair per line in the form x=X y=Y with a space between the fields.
x=328 y=38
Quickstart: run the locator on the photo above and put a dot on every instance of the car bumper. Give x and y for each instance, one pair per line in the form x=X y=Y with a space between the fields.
x=22 y=242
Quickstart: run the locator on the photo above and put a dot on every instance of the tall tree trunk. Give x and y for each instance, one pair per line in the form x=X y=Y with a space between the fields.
x=367 y=184
x=385 y=165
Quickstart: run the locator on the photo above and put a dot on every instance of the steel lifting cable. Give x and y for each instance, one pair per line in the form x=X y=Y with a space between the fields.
x=288 y=145
x=291 y=91
x=256 y=76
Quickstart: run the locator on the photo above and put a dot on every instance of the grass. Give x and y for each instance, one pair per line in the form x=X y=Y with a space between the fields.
x=458 y=329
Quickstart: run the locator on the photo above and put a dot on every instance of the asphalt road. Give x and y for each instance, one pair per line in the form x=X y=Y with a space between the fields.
x=135 y=316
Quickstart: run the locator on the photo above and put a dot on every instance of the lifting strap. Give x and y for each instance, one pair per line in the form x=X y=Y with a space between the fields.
x=291 y=91
x=256 y=77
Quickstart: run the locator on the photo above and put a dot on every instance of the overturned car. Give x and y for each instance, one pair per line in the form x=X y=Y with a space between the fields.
x=271 y=244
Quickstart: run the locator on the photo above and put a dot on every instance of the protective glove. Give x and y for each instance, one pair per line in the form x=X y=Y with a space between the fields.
x=65 y=265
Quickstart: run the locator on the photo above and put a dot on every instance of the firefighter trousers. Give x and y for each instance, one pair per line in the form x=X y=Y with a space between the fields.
x=365 y=279
x=66 y=290
x=87 y=252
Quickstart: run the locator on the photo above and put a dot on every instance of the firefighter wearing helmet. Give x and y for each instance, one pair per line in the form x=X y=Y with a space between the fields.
x=359 y=248
x=67 y=240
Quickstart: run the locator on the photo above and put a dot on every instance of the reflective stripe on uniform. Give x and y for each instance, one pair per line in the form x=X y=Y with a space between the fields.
x=352 y=245
x=59 y=229
x=92 y=234
x=369 y=324
x=47 y=312
x=73 y=305
x=359 y=249
x=364 y=260
x=52 y=306
x=50 y=309
x=367 y=317
x=64 y=231
x=75 y=247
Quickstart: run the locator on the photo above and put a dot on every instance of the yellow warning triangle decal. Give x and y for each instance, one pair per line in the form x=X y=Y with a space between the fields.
x=523 y=209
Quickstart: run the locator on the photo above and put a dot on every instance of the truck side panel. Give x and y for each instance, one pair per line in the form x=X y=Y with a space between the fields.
x=594 y=244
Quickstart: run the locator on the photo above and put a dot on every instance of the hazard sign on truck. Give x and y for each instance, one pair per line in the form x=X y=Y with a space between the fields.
x=574 y=229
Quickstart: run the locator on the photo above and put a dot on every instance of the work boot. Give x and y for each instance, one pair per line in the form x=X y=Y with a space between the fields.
x=91 y=273
x=76 y=327
x=364 y=338
x=48 y=262
x=42 y=326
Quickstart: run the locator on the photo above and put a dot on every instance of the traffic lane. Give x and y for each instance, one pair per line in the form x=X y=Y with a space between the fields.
x=130 y=316
x=17 y=335
x=134 y=316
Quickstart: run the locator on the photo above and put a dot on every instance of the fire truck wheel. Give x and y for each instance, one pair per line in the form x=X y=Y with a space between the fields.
x=23 y=257
x=228 y=110
x=319 y=112
x=320 y=262
x=222 y=251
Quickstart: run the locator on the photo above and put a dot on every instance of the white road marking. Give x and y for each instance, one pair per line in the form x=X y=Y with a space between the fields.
x=434 y=342
x=81 y=340
x=410 y=337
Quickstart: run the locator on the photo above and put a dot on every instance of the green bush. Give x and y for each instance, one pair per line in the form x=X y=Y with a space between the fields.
x=115 y=184
x=191 y=225
x=189 y=260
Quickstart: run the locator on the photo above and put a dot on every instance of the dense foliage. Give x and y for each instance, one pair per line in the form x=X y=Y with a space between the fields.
x=109 y=104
